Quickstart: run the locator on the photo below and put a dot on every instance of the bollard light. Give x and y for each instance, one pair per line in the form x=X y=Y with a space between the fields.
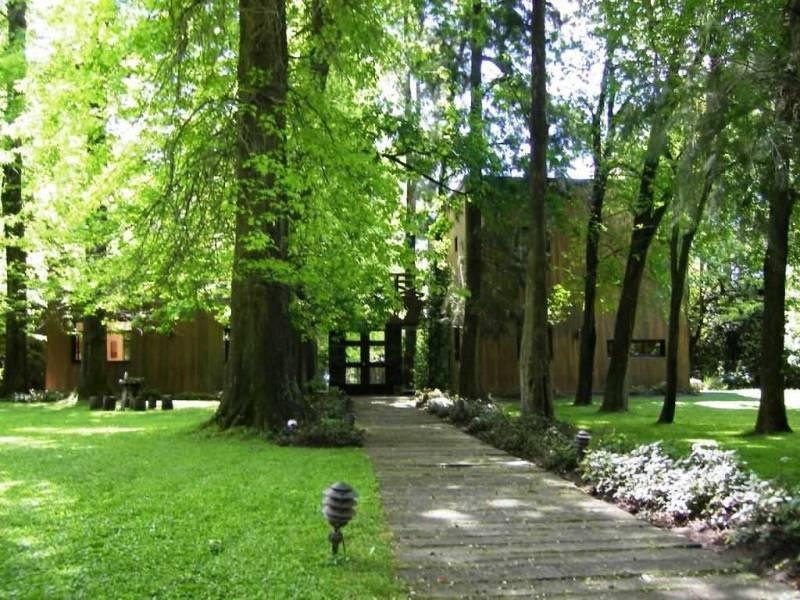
x=582 y=439
x=338 y=507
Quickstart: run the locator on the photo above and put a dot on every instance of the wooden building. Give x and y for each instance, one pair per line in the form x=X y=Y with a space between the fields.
x=503 y=231
x=191 y=358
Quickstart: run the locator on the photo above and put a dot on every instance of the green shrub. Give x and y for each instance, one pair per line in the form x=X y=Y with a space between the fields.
x=659 y=389
x=713 y=382
x=638 y=390
x=327 y=420
x=548 y=443
x=150 y=394
x=326 y=433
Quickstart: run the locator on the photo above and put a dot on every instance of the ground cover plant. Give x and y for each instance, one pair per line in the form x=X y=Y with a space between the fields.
x=725 y=417
x=149 y=505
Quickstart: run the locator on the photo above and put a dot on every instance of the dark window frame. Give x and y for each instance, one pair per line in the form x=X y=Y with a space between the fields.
x=75 y=347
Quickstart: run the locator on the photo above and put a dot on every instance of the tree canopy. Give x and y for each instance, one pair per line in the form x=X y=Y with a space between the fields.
x=161 y=158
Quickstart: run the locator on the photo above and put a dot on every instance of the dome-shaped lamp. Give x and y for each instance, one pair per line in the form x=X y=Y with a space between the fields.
x=338 y=507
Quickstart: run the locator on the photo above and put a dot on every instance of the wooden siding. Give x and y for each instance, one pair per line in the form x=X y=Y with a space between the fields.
x=501 y=324
x=189 y=359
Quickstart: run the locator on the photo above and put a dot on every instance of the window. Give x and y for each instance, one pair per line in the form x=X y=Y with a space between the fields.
x=118 y=342
x=75 y=346
x=377 y=354
x=644 y=348
x=352 y=354
x=352 y=375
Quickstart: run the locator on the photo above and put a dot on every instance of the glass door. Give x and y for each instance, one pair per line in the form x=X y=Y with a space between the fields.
x=364 y=362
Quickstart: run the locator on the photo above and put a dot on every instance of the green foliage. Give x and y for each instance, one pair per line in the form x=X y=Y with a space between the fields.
x=328 y=420
x=324 y=433
x=142 y=132
x=727 y=418
x=547 y=443
x=90 y=498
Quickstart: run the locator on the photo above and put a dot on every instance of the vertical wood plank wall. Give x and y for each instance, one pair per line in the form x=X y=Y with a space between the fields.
x=499 y=350
x=189 y=359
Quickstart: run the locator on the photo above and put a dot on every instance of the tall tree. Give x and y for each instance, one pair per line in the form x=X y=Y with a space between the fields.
x=468 y=374
x=698 y=168
x=534 y=366
x=600 y=157
x=649 y=212
x=411 y=110
x=781 y=195
x=661 y=49
x=15 y=374
x=260 y=388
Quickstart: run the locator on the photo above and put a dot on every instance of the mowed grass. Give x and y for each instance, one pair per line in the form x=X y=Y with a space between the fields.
x=726 y=417
x=145 y=505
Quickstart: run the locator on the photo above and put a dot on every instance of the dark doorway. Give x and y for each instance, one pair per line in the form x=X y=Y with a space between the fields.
x=358 y=363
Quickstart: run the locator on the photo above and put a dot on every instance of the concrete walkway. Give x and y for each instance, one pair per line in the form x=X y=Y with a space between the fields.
x=470 y=521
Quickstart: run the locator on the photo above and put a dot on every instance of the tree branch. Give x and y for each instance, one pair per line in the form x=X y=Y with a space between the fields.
x=422 y=174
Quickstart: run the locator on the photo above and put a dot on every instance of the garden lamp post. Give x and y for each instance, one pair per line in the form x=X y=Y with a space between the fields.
x=338 y=507
x=582 y=439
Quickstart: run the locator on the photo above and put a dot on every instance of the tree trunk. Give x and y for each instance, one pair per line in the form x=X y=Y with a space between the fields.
x=709 y=126
x=772 y=409
x=534 y=364
x=92 y=379
x=469 y=384
x=15 y=374
x=437 y=322
x=438 y=330
x=645 y=224
x=411 y=109
x=645 y=227
x=588 y=339
x=679 y=247
x=320 y=63
x=261 y=389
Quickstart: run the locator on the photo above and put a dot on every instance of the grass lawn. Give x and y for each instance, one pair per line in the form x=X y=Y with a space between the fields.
x=143 y=505
x=727 y=417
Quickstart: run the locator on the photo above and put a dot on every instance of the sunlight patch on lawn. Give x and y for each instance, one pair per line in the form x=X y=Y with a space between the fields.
x=7 y=485
x=35 y=495
x=729 y=404
x=80 y=430
x=791 y=397
x=32 y=547
x=25 y=441
x=708 y=441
